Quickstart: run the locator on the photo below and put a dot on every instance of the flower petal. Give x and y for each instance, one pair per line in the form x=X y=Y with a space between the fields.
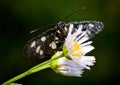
x=83 y=40
x=87 y=43
x=87 y=49
x=86 y=61
x=69 y=68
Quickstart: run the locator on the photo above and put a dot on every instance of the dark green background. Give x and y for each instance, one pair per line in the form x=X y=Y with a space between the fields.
x=18 y=17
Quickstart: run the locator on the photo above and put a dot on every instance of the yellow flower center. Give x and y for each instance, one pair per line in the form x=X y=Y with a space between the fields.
x=76 y=47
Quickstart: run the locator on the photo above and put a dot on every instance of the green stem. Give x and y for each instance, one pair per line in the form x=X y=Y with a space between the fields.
x=34 y=69
x=43 y=65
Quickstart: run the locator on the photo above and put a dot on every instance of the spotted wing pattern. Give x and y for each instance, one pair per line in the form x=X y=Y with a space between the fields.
x=44 y=46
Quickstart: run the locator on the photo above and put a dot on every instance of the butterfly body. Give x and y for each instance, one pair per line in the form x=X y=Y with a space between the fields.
x=44 y=46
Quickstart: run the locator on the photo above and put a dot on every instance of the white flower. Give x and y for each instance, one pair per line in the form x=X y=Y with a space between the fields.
x=74 y=59
x=67 y=67
x=77 y=46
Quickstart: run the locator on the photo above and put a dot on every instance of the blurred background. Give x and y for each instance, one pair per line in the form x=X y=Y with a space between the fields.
x=19 y=17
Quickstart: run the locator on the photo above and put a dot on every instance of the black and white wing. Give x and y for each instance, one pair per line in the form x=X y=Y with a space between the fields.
x=44 y=46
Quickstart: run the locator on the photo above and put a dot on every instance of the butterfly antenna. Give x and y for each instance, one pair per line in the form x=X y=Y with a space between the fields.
x=72 y=13
x=40 y=28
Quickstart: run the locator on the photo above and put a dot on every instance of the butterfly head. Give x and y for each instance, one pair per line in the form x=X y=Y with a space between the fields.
x=61 y=30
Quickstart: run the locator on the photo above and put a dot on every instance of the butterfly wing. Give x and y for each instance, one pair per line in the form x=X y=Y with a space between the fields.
x=90 y=28
x=43 y=46
x=46 y=45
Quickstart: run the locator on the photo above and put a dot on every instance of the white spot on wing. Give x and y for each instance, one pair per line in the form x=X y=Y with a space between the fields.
x=53 y=45
x=37 y=49
x=51 y=33
x=56 y=42
x=33 y=44
x=56 y=38
x=41 y=52
x=43 y=38
x=91 y=25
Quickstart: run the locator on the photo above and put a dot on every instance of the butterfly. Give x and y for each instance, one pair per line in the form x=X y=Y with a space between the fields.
x=44 y=46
